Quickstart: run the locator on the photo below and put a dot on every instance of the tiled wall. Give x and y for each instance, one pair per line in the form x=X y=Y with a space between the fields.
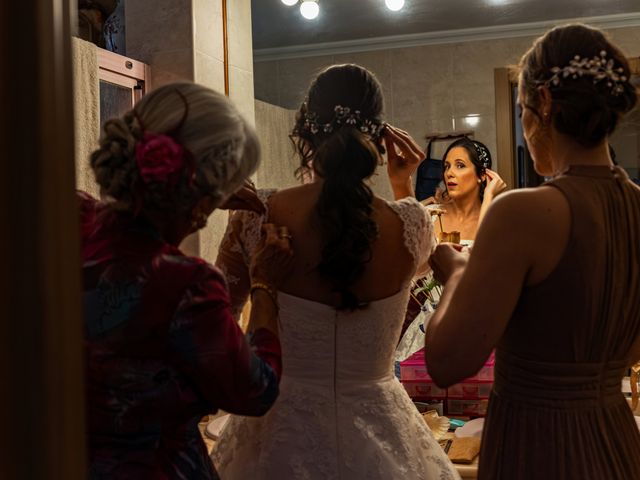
x=428 y=88
x=160 y=33
x=278 y=161
x=183 y=40
x=241 y=56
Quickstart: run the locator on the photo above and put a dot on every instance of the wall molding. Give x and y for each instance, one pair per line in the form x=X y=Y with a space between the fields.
x=441 y=37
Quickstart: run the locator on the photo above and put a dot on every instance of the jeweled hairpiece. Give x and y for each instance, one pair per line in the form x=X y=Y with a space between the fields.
x=597 y=67
x=342 y=116
x=483 y=155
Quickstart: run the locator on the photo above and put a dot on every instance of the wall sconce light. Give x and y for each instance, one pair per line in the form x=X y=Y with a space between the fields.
x=472 y=119
x=309 y=9
x=289 y=3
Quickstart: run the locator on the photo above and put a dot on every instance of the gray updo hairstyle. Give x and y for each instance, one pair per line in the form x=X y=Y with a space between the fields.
x=223 y=146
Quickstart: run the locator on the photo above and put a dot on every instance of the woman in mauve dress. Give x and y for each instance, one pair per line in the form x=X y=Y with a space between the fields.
x=559 y=267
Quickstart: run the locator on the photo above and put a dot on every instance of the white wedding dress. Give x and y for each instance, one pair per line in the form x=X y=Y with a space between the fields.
x=341 y=413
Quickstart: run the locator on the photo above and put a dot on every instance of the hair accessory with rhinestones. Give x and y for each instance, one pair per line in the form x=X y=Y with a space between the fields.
x=483 y=154
x=597 y=67
x=342 y=116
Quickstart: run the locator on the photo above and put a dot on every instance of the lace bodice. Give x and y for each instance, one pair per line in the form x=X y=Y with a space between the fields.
x=337 y=348
x=244 y=232
x=341 y=413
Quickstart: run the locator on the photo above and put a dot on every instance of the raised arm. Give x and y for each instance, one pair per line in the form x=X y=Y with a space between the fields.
x=403 y=158
x=233 y=260
x=495 y=186
x=237 y=374
x=240 y=241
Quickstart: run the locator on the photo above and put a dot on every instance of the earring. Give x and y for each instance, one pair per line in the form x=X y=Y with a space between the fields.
x=199 y=221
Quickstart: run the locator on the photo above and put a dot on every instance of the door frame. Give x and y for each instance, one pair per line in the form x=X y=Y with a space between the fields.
x=504 y=81
x=41 y=333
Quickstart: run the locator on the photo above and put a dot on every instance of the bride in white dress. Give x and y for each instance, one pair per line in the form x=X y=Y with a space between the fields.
x=341 y=413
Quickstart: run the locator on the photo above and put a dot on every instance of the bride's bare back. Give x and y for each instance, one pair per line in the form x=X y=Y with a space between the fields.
x=388 y=271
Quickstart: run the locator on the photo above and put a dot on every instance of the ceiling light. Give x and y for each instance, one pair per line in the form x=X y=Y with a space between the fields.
x=394 y=5
x=309 y=9
x=289 y=3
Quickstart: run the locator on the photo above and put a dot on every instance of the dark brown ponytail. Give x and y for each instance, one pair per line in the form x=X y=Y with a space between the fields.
x=584 y=108
x=344 y=156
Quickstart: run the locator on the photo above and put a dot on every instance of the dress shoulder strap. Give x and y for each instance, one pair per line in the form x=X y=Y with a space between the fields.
x=419 y=237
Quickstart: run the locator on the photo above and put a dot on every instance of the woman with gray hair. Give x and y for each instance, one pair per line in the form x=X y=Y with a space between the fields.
x=162 y=347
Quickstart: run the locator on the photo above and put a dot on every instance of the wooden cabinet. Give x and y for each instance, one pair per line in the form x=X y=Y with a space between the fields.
x=122 y=83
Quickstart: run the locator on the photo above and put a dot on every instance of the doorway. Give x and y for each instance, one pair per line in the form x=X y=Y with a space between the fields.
x=516 y=167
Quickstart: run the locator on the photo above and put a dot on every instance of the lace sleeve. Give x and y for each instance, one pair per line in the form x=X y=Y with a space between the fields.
x=238 y=246
x=419 y=235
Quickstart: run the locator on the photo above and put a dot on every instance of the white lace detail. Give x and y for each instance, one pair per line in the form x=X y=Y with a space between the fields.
x=341 y=414
x=252 y=224
x=419 y=235
x=271 y=437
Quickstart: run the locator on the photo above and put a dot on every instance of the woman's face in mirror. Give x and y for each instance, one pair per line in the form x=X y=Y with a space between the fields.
x=460 y=174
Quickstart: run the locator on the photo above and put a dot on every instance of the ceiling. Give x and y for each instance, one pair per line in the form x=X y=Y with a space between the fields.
x=275 y=25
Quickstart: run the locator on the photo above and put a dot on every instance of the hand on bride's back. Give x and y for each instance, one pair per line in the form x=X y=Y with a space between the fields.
x=447 y=259
x=273 y=259
x=245 y=198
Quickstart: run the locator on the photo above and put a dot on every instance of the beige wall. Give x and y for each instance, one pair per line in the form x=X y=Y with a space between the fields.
x=183 y=40
x=278 y=160
x=427 y=88
x=179 y=40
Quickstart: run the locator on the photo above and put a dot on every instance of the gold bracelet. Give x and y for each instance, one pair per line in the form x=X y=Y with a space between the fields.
x=267 y=288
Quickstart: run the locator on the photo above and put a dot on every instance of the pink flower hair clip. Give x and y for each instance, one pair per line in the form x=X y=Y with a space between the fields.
x=161 y=158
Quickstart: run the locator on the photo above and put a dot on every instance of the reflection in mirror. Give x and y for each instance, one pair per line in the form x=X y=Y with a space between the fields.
x=625 y=143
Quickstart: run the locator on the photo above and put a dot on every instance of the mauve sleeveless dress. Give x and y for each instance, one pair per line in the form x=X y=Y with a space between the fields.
x=556 y=410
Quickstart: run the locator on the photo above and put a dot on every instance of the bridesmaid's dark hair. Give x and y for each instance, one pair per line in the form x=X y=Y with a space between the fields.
x=344 y=155
x=583 y=108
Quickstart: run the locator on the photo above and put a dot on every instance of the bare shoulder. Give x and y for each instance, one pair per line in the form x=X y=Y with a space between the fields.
x=292 y=202
x=289 y=194
x=297 y=190
x=531 y=227
x=529 y=208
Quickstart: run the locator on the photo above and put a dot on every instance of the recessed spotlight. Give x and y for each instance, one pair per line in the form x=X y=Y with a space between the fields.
x=309 y=9
x=289 y=3
x=394 y=5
